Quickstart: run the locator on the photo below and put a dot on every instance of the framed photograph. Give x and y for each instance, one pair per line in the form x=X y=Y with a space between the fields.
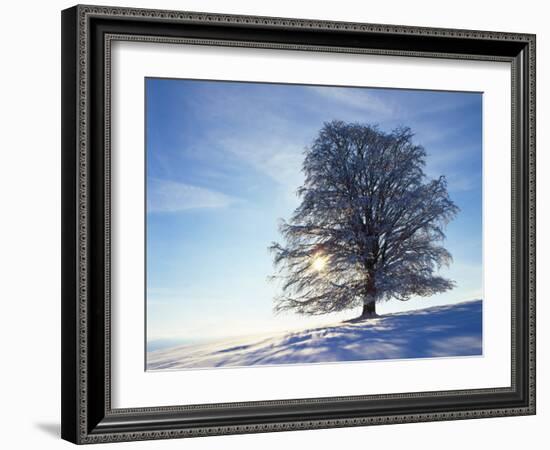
x=277 y=224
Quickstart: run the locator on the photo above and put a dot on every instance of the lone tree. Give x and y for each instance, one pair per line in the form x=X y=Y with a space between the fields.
x=369 y=225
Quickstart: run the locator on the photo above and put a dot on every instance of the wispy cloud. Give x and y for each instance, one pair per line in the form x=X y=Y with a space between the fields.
x=262 y=134
x=356 y=99
x=462 y=183
x=166 y=196
x=278 y=159
x=448 y=163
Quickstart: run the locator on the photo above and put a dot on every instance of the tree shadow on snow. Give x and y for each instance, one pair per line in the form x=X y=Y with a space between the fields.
x=452 y=330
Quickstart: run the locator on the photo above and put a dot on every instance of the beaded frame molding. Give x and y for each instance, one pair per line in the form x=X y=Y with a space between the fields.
x=87 y=35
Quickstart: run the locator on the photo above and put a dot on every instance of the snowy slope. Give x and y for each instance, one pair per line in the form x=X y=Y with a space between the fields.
x=452 y=330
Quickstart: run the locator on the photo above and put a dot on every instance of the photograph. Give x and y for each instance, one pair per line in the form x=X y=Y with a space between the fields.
x=310 y=224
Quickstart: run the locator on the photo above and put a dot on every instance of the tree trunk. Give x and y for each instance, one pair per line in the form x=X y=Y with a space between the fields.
x=369 y=303
x=369 y=309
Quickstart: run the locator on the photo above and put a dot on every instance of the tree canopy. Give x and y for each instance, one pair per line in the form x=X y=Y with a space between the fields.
x=370 y=224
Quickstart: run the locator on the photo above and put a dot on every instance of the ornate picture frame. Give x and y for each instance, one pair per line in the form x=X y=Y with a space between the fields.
x=88 y=415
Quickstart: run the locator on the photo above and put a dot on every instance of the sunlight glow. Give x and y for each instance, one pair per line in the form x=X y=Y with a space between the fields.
x=319 y=263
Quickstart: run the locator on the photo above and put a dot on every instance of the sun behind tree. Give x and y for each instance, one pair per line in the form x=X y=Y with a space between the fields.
x=369 y=225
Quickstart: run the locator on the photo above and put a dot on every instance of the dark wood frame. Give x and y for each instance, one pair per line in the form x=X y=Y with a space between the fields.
x=87 y=32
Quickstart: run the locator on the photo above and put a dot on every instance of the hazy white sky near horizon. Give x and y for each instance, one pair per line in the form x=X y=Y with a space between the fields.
x=223 y=166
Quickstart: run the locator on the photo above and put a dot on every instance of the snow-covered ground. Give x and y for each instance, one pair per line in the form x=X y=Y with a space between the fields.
x=451 y=330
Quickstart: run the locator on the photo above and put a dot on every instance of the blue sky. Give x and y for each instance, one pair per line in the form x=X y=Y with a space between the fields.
x=223 y=166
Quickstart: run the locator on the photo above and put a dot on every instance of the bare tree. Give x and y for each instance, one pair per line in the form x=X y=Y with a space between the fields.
x=369 y=225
